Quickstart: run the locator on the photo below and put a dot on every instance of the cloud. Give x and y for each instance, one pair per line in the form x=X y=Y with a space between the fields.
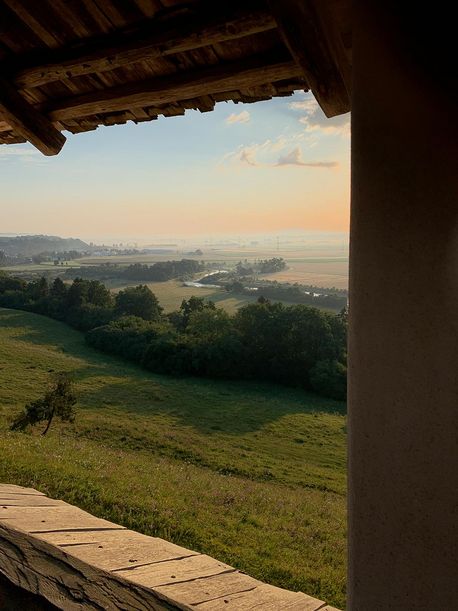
x=294 y=157
x=265 y=154
x=248 y=156
x=255 y=154
x=21 y=152
x=242 y=117
x=314 y=119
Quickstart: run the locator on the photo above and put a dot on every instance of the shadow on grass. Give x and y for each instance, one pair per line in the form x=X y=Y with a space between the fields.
x=209 y=406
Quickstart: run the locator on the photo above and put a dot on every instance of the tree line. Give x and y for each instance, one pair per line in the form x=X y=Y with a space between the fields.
x=291 y=292
x=294 y=345
x=261 y=266
x=157 y=272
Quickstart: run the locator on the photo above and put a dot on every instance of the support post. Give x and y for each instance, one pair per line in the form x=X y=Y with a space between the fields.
x=403 y=345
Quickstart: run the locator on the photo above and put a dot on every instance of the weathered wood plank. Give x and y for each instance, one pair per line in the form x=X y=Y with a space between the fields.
x=80 y=562
x=28 y=500
x=112 y=550
x=45 y=519
x=267 y=598
x=63 y=579
x=13 y=489
x=174 y=572
x=159 y=38
x=189 y=594
x=178 y=86
x=28 y=122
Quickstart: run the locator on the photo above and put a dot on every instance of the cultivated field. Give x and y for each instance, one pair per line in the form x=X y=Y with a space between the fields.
x=325 y=267
x=319 y=271
x=329 y=270
x=172 y=293
x=39 y=268
x=251 y=474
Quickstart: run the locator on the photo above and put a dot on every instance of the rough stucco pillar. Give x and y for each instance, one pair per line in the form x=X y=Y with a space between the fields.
x=403 y=385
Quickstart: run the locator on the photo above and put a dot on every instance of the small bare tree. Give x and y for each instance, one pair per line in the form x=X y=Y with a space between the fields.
x=58 y=401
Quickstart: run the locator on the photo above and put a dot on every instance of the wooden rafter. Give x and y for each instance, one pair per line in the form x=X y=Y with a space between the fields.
x=74 y=66
x=313 y=41
x=29 y=123
x=159 y=38
x=179 y=86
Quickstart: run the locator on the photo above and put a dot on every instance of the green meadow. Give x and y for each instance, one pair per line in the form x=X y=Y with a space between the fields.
x=250 y=473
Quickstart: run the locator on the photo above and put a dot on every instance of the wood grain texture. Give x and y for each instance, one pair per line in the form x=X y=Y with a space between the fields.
x=159 y=38
x=77 y=561
x=312 y=37
x=28 y=122
x=178 y=86
x=60 y=55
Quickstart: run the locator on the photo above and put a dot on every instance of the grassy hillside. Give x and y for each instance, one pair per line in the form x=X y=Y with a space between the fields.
x=252 y=474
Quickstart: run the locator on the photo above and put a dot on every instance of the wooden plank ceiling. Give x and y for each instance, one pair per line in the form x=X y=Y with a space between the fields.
x=72 y=65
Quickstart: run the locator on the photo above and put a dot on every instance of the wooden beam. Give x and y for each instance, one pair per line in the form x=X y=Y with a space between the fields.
x=171 y=88
x=313 y=40
x=159 y=38
x=28 y=122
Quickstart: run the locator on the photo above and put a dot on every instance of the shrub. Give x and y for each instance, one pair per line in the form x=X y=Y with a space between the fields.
x=58 y=402
x=329 y=378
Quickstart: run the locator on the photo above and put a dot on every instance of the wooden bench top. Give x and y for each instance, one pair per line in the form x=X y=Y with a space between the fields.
x=77 y=561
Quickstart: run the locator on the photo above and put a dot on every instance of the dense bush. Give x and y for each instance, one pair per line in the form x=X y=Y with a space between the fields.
x=138 y=301
x=295 y=345
x=158 y=272
x=329 y=378
x=128 y=336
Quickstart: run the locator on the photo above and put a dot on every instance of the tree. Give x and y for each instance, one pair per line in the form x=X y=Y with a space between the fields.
x=209 y=323
x=236 y=287
x=243 y=270
x=99 y=295
x=58 y=289
x=58 y=402
x=11 y=283
x=215 y=344
x=77 y=293
x=37 y=289
x=194 y=304
x=329 y=378
x=138 y=301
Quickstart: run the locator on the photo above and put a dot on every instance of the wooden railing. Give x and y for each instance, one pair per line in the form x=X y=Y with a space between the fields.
x=77 y=561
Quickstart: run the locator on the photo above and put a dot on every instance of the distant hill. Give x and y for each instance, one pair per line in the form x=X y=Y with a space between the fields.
x=31 y=245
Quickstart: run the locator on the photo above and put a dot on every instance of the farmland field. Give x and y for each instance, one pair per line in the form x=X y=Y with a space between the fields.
x=172 y=293
x=325 y=271
x=304 y=265
x=311 y=268
x=250 y=473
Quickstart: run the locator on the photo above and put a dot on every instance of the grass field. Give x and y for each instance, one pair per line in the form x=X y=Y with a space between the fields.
x=251 y=474
x=40 y=268
x=305 y=265
x=172 y=293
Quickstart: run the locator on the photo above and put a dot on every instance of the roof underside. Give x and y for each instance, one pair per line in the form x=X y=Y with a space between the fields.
x=72 y=65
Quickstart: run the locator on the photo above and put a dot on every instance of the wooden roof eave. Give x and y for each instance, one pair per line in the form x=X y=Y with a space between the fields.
x=111 y=77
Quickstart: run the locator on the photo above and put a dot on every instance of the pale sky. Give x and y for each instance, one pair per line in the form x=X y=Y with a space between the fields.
x=245 y=168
